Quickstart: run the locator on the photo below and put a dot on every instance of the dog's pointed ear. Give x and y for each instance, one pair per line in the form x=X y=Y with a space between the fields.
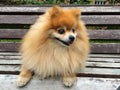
x=55 y=10
x=76 y=12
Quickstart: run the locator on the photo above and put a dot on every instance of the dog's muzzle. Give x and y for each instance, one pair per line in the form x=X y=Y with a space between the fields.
x=67 y=42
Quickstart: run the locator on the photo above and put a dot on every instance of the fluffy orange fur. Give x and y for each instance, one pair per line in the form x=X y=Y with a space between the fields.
x=46 y=57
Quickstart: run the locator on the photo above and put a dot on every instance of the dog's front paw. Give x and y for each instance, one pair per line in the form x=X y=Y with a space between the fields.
x=22 y=81
x=69 y=81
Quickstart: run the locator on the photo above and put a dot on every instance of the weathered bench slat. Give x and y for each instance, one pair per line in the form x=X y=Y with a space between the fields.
x=95 y=64
x=93 y=34
x=11 y=59
x=91 y=55
x=105 y=48
x=9 y=62
x=88 y=70
x=88 y=19
x=108 y=71
x=105 y=55
x=99 y=64
x=104 y=34
x=111 y=58
x=101 y=19
x=9 y=54
x=18 y=19
x=35 y=9
x=56 y=83
x=9 y=68
x=103 y=64
x=8 y=46
x=105 y=60
x=12 y=33
x=95 y=47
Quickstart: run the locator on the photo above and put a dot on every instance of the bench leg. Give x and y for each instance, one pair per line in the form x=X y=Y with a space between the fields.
x=24 y=77
x=69 y=80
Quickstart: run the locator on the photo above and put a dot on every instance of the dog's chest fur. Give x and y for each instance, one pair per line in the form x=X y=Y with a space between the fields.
x=51 y=59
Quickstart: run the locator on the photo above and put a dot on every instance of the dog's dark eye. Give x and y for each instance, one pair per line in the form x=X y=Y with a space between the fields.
x=73 y=30
x=61 y=31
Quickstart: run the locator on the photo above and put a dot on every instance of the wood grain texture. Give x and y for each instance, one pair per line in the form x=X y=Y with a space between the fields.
x=113 y=72
x=106 y=62
x=104 y=59
x=94 y=66
x=105 y=48
x=38 y=9
x=7 y=57
x=95 y=47
x=93 y=34
x=9 y=47
x=104 y=34
x=3 y=54
x=102 y=55
x=101 y=19
x=91 y=61
x=88 y=19
x=12 y=33
x=18 y=19
x=90 y=55
x=9 y=82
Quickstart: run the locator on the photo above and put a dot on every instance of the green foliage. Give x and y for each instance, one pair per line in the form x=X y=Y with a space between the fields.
x=29 y=2
x=37 y=2
x=82 y=2
x=110 y=27
x=10 y=40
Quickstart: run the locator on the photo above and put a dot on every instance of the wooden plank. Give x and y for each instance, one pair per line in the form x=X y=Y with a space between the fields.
x=12 y=33
x=104 y=34
x=93 y=34
x=10 y=62
x=106 y=59
x=98 y=64
x=90 y=55
x=103 y=64
x=107 y=71
x=39 y=9
x=113 y=61
x=101 y=19
x=88 y=19
x=12 y=55
x=9 y=47
x=95 y=47
x=9 y=68
x=105 y=55
x=56 y=83
x=88 y=70
x=18 y=19
x=105 y=48
x=2 y=57
x=9 y=54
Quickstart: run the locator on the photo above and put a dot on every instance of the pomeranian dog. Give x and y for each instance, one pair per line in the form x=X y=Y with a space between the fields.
x=56 y=45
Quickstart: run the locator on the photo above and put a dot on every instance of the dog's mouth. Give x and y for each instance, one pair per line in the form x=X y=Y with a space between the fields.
x=65 y=43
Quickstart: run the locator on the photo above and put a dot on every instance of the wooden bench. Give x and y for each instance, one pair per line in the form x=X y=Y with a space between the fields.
x=102 y=70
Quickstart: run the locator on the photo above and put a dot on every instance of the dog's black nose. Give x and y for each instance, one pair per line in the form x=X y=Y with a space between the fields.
x=71 y=38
